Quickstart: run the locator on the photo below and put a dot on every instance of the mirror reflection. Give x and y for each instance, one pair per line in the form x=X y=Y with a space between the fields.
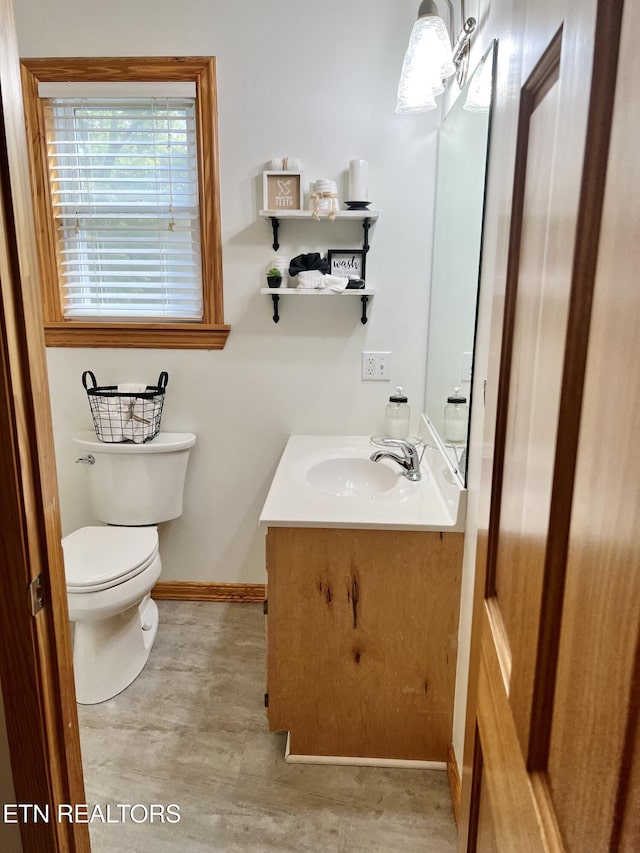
x=462 y=160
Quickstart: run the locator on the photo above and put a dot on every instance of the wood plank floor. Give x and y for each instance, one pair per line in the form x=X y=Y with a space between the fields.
x=191 y=730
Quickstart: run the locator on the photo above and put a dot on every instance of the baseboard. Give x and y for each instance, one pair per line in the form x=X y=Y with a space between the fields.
x=356 y=761
x=454 y=782
x=196 y=591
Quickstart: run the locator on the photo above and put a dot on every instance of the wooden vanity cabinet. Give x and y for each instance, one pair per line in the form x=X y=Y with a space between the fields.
x=362 y=640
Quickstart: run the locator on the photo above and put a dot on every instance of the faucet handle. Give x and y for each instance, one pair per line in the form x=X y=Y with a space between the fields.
x=408 y=449
x=383 y=441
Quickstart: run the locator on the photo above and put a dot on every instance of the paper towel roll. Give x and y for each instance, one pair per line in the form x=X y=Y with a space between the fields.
x=358 y=180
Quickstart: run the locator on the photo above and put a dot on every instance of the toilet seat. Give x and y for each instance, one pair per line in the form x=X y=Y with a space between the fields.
x=99 y=558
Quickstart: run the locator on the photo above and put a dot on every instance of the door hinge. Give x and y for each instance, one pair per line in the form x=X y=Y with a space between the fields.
x=266 y=700
x=265 y=607
x=36 y=594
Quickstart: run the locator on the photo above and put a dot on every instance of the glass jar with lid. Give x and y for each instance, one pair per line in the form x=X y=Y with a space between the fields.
x=397 y=414
x=456 y=418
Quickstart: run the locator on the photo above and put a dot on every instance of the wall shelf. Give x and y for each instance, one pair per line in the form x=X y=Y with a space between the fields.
x=364 y=216
x=364 y=294
x=308 y=214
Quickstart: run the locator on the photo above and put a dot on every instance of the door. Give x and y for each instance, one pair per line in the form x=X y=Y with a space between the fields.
x=35 y=655
x=551 y=723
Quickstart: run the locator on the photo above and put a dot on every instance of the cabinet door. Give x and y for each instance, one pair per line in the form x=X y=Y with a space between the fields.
x=362 y=640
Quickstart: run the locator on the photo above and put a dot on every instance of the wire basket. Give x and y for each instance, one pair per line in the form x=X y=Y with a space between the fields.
x=125 y=416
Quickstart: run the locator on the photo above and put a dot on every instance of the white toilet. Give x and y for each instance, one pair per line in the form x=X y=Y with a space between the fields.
x=110 y=570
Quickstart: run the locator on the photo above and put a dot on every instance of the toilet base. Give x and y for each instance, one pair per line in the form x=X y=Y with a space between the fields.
x=149 y=620
x=109 y=654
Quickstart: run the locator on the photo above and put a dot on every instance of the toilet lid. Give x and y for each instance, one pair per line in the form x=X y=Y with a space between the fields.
x=101 y=557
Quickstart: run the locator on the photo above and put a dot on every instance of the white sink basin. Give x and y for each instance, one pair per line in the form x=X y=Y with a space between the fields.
x=330 y=481
x=351 y=475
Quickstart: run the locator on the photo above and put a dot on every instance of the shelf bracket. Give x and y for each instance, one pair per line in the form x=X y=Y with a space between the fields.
x=275 y=224
x=366 y=224
x=364 y=300
x=275 y=299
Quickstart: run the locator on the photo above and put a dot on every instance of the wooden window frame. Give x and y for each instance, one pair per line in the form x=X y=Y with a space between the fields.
x=210 y=332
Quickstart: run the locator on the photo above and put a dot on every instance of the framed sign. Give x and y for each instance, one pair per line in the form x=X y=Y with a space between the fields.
x=347 y=262
x=282 y=190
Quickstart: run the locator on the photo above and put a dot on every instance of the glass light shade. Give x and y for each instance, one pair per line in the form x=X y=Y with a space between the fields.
x=478 y=98
x=427 y=63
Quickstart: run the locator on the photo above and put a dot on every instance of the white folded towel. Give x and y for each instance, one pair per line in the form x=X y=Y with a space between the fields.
x=111 y=418
x=310 y=280
x=131 y=387
x=336 y=282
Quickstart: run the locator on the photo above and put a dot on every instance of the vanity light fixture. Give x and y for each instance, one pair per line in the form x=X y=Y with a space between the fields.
x=478 y=98
x=431 y=58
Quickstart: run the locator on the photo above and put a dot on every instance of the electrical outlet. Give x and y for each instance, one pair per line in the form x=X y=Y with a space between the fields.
x=376 y=366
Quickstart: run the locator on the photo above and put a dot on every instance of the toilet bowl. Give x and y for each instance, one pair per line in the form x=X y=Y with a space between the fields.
x=111 y=570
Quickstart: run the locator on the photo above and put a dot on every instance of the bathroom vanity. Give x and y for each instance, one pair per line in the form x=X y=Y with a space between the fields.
x=363 y=598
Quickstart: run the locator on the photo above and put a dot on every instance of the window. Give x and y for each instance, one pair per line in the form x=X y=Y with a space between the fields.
x=125 y=190
x=123 y=177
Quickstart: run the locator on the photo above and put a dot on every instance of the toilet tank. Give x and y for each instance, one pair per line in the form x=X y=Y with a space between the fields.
x=135 y=484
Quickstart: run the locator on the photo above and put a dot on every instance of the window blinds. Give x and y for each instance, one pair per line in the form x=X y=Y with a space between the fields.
x=124 y=189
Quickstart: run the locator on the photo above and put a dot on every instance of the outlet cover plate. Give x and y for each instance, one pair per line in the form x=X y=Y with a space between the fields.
x=376 y=366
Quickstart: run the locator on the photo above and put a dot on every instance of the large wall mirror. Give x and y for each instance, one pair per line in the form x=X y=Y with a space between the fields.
x=463 y=148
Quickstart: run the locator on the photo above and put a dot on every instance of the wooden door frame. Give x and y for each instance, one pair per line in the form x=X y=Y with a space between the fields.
x=600 y=114
x=36 y=671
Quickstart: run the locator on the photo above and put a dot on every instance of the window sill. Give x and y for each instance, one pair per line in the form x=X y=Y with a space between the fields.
x=143 y=335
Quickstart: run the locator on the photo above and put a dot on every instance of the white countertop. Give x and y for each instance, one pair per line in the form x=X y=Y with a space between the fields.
x=437 y=502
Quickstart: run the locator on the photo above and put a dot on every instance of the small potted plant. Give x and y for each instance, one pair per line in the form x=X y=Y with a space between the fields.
x=274 y=277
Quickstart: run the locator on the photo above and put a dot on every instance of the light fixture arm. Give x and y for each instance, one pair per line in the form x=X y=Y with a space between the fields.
x=463 y=40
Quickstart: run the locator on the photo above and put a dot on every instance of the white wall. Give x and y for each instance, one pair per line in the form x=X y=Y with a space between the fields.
x=9 y=832
x=314 y=81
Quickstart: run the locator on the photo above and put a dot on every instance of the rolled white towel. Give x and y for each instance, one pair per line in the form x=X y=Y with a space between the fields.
x=111 y=417
x=131 y=387
x=310 y=280
x=135 y=431
x=287 y=164
x=336 y=282
x=111 y=432
x=109 y=406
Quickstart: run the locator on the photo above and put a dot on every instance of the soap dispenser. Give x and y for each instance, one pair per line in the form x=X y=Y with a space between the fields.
x=456 y=417
x=397 y=412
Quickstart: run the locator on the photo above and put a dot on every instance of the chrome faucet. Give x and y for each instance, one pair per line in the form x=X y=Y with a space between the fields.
x=409 y=460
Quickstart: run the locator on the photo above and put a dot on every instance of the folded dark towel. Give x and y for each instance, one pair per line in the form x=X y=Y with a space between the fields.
x=311 y=261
